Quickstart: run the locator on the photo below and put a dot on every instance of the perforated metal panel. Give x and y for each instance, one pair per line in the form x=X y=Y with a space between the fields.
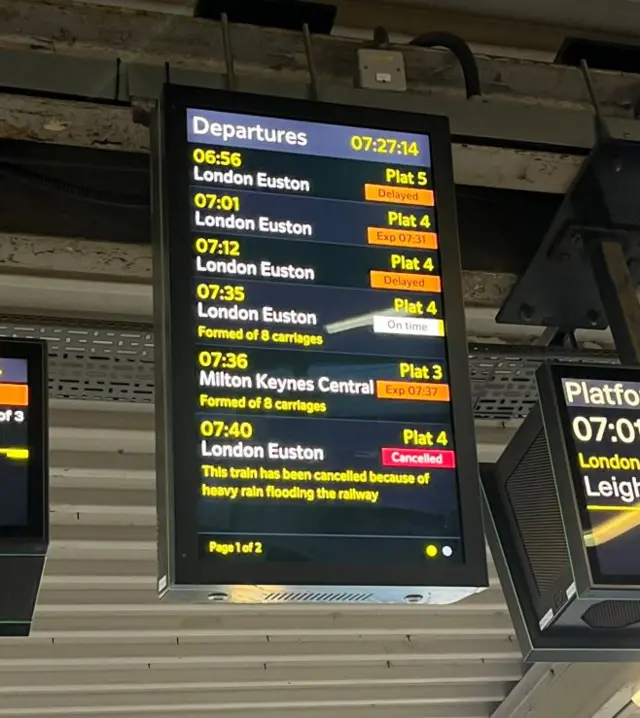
x=534 y=501
x=115 y=363
x=86 y=363
x=316 y=597
x=612 y=614
x=503 y=377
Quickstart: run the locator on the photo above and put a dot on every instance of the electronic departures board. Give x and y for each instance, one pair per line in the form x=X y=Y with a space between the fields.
x=23 y=479
x=14 y=442
x=317 y=417
x=600 y=414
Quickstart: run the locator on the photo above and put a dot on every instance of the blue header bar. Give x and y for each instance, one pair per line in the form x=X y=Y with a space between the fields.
x=13 y=371
x=307 y=138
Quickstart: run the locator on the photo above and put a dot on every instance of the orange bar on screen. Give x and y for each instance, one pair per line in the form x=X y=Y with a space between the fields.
x=402 y=238
x=399 y=195
x=14 y=395
x=412 y=390
x=404 y=281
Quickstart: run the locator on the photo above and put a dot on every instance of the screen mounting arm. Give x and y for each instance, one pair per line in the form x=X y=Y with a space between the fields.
x=619 y=298
x=611 y=272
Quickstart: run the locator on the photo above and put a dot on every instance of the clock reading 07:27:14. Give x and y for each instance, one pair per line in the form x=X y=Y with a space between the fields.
x=601 y=428
x=384 y=146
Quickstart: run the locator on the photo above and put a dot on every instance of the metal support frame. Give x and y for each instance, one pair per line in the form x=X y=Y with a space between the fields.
x=610 y=265
x=586 y=273
x=587 y=268
x=619 y=298
x=554 y=337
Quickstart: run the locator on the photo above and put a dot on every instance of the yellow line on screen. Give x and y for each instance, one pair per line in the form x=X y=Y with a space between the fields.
x=13 y=452
x=597 y=507
x=623 y=520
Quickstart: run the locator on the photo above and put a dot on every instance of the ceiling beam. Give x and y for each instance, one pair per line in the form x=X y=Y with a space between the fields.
x=111 y=127
x=67 y=122
x=69 y=52
x=74 y=29
x=80 y=51
x=413 y=17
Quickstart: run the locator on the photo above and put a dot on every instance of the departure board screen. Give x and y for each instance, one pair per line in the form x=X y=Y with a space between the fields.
x=14 y=442
x=315 y=407
x=22 y=439
x=602 y=425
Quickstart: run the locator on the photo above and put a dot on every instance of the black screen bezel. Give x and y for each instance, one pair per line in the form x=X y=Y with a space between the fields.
x=565 y=462
x=36 y=528
x=187 y=567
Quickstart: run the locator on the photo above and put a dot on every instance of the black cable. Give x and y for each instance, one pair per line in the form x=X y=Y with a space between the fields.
x=111 y=199
x=461 y=50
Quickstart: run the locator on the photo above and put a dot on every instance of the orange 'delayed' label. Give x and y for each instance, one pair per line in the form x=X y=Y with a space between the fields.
x=404 y=281
x=399 y=195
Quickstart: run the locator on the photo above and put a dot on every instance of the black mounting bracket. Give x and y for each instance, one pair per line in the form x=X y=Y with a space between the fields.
x=586 y=270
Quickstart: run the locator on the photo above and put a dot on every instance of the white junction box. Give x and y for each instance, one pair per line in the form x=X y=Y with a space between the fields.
x=381 y=70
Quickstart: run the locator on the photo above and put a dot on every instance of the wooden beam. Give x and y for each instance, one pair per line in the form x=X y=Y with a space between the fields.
x=77 y=258
x=514 y=169
x=97 y=31
x=86 y=124
x=81 y=124
x=522 y=100
x=414 y=17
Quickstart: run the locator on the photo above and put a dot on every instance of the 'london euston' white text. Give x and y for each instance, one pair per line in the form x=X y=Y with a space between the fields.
x=259 y=180
x=266 y=269
x=268 y=315
x=265 y=225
